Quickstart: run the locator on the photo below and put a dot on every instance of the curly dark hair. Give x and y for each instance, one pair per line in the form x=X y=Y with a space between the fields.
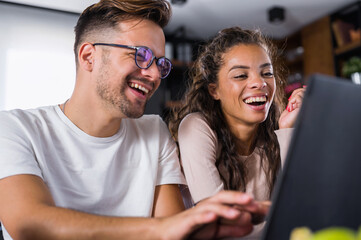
x=198 y=99
x=107 y=14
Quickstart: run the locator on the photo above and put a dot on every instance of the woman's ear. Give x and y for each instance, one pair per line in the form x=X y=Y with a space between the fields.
x=212 y=89
x=86 y=56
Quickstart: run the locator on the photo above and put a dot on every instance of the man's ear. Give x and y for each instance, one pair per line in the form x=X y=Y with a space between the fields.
x=86 y=55
x=213 y=90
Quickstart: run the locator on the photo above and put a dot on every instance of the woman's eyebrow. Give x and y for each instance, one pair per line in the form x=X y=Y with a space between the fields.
x=265 y=65
x=247 y=67
x=239 y=66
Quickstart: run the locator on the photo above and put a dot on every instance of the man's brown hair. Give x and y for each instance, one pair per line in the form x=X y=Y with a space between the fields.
x=108 y=13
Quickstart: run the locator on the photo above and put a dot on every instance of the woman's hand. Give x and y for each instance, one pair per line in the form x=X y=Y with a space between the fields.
x=289 y=116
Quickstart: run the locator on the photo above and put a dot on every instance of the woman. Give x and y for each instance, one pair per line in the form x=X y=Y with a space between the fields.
x=227 y=126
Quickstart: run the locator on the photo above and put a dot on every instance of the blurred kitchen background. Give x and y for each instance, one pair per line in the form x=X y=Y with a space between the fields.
x=37 y=65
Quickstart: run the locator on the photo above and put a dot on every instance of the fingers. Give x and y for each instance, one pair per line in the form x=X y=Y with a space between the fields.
x=225 y=228
x=241 y=227
x=231 y=197
x=223 y=208
x=259 y=212
x=240 y=201
x=208 y=212
x=299 y=92
x=295 y=100
x=244 y=219
x=223 y=205
x=200 y=220
x=189 y=222
x=260 y=216
x=264 y=207
x=218 y=209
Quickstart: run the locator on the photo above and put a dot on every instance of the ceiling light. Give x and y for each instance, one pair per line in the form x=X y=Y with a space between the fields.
x=276 y=14
x=179 y=2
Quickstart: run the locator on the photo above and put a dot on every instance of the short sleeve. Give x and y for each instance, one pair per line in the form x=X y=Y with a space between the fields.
x=198 y=152
x=169 y=171
x=284 y=136
x=16 y=153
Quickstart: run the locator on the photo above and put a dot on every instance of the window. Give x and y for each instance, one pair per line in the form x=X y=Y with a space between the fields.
x=37 y=64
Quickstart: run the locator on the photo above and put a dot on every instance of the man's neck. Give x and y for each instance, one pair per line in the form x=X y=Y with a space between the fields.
x=90 y=118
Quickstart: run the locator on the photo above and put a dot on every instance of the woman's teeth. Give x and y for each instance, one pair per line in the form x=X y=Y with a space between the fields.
x=139 y=87
x=256 y=100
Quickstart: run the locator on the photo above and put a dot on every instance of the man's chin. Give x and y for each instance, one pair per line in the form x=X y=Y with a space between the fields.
x=135 y=115
x=136 y=112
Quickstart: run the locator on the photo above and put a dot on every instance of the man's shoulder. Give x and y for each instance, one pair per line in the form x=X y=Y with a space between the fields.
x=33 y=112
x=23 y=116
x=148 y=124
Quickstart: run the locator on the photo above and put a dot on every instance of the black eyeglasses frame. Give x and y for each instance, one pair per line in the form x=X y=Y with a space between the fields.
x=136 y=48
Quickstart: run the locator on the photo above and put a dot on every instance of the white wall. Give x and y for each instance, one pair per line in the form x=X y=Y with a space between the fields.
x=37 y=65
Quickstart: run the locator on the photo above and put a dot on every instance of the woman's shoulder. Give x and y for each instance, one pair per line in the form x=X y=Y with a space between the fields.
x=195 y=123
x=193 y=119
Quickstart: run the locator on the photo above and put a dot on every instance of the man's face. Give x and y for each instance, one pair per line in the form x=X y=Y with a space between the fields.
x=121 y=85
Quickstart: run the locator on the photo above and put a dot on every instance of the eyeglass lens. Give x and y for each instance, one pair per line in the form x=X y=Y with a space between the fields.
x=164 y=66
x=144 y=58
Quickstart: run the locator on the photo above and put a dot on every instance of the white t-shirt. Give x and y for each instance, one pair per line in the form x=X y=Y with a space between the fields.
x=114 y=176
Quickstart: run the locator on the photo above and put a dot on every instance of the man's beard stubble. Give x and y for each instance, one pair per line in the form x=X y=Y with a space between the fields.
x=116 y=98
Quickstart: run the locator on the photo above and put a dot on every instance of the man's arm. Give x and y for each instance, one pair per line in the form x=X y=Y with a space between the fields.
x=28 y=212
x=167 y=201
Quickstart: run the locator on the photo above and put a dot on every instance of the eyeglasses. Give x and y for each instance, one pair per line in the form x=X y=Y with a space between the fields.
x=144 y=58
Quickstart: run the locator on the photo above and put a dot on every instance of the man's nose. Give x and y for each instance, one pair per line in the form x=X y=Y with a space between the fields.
x=153 y=73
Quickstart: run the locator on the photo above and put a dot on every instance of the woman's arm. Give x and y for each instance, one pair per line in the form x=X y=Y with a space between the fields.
x=287 y=121
x=284 y=138
x=198 y=149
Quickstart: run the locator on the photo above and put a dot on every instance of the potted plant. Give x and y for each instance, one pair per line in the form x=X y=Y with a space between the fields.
x=352 y=69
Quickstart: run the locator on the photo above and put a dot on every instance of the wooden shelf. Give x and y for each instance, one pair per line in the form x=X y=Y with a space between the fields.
x=347 y=47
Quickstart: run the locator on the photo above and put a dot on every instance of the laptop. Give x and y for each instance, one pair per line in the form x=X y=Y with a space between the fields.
x=320 y=184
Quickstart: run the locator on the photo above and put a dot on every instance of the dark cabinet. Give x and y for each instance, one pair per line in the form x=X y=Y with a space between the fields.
x=346 y=35
x=291 y=56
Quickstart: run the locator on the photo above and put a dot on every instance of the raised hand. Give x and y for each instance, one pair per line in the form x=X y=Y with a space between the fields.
x=289 y=115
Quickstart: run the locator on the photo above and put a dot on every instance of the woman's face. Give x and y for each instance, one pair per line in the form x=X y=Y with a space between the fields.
x=246 y=85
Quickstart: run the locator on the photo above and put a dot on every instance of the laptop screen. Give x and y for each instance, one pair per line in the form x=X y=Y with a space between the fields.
x=320 y=184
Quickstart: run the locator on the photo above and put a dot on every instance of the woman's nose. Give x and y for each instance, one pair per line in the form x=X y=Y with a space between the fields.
x=258 y=82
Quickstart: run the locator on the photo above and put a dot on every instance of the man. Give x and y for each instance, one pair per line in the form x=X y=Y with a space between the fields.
x=93 y=167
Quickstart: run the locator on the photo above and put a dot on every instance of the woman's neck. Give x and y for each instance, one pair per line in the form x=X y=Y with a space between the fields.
x=246 y=138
